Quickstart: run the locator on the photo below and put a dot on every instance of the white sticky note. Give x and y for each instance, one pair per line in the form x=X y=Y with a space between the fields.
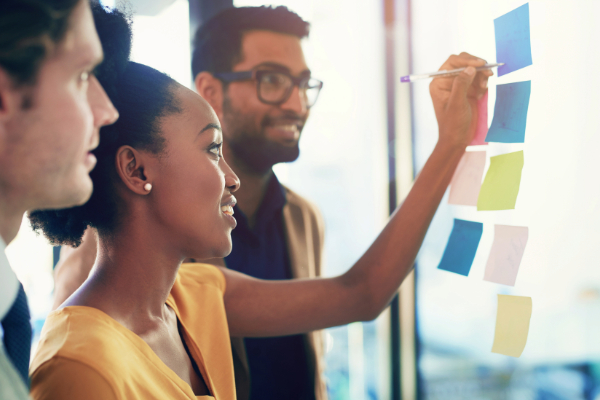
x=506 y=254
x=466 y=182
x=512 y=325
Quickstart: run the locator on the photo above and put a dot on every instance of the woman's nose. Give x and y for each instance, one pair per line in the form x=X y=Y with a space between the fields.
x=232 y=182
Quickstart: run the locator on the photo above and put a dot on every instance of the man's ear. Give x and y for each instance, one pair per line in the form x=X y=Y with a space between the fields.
x=211 y=89
x=10 y=98
x=133 y=169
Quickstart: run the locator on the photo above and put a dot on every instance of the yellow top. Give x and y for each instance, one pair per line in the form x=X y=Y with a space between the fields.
x=85 y=354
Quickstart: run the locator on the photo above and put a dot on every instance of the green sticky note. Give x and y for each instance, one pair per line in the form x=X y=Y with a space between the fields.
x=501 y=184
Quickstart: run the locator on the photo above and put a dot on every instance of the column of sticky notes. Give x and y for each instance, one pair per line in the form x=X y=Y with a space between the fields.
x=500 y=187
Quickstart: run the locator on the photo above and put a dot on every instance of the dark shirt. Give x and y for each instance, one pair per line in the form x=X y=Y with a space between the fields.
x=278 y=365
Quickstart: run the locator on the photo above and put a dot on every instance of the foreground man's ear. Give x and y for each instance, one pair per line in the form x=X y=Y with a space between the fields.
x=10 y=98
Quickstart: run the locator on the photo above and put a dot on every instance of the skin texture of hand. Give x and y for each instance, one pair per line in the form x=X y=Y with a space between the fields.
x=455 y=98
x=74 y=267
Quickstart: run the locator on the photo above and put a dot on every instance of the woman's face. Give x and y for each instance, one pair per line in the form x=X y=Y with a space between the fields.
x=192 y=189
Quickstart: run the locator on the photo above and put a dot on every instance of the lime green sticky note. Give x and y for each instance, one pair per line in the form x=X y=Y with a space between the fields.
x=501 y=184
x=512 y=325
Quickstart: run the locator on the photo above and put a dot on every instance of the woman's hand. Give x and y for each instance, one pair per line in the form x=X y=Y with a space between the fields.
x=455 y=99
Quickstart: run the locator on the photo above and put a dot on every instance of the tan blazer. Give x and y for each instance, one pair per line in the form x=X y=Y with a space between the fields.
x=305 y=236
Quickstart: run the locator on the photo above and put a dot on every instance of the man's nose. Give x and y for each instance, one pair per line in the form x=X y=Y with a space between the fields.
x=103 y=109
x=296 y=102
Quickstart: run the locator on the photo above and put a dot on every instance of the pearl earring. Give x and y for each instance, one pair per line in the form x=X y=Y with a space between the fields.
x=148 y=187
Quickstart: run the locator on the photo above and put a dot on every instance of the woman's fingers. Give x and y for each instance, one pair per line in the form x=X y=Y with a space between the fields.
x=462 y=60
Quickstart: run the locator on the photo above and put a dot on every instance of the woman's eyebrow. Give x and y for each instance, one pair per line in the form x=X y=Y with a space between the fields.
x=211 y=126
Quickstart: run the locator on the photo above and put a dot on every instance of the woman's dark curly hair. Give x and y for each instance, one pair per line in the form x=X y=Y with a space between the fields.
x=142 y=96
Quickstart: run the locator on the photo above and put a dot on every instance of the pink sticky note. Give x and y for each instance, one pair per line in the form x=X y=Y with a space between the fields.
x=482 y=121
x=466 y=182
x=506 y=254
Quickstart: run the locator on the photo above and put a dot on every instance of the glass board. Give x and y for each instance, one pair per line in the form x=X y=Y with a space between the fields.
x=557 y=201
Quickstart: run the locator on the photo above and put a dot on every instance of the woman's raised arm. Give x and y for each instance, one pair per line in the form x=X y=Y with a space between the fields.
x=274 y=308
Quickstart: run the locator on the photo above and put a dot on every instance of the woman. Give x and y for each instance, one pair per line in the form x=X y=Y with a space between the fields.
x=145 y=327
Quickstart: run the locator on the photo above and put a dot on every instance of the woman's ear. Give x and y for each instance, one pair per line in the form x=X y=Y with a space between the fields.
x=134 y=169
x=211 y=89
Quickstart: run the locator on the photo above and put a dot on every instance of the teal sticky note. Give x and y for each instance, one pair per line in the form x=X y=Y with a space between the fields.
x=513 y=44
x=462 y=246
x=510 y=113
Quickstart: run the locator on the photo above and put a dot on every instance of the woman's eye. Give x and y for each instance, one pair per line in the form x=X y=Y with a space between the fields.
x=216 y=150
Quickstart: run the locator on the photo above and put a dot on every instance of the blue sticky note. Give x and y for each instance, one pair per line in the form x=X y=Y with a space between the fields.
x=462 y=246
x=510 y=113
x=513 y=45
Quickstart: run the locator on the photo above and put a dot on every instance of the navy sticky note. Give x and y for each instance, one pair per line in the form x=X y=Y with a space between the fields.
x=462 y=246
x=513 y=44
x=510 y=113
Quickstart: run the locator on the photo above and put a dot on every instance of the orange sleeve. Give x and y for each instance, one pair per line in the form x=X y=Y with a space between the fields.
x=65 y=379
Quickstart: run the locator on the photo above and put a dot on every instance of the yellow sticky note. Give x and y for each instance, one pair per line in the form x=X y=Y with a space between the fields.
x=501 y=184
x=512 y=325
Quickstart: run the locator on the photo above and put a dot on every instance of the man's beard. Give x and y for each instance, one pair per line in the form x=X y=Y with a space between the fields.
x=249 y=143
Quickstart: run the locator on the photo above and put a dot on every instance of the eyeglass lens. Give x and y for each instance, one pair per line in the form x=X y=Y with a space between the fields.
x=276 y=87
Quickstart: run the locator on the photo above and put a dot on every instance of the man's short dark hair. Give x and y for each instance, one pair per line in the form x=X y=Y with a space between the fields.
x=218 y=42
x=27 y=30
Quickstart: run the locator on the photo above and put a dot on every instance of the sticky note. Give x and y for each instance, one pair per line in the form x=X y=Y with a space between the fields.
x=501 y=184
x=506 y=254
x=466 y=182
x=513 y=44
x=462 y=246
x=482 y=121
x=512 y=325
x=510 y=113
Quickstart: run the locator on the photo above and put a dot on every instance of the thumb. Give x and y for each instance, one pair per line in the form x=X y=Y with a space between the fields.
x=461 y=85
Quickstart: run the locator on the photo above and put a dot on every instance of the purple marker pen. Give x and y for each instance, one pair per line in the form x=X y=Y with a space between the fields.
x=444 y=73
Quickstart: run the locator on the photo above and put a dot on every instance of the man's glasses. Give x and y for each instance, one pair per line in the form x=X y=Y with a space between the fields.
x=274 y=87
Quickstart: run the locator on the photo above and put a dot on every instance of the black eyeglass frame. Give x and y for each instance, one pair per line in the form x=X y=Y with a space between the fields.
x=256 y=75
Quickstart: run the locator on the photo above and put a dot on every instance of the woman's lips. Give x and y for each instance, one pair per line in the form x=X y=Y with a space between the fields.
x=228 y=214
x=227 y=210
x=232 y=221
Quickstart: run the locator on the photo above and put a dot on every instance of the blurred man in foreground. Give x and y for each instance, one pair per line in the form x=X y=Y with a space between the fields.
x=51 y=110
